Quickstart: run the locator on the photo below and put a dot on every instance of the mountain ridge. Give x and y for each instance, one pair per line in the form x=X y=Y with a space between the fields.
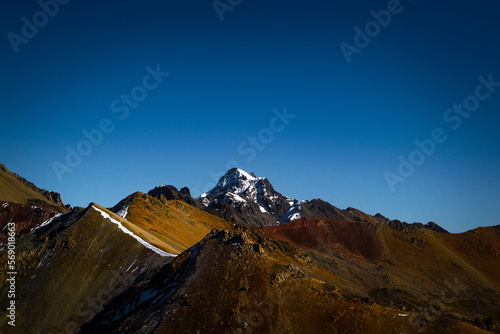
x=245 y=198
x=154 y=263
x=16 y=189
x=26 y=204
x=254 y=198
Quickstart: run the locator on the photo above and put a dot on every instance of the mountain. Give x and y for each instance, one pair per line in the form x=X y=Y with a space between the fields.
x=317 y=208
x=246 y=198
x=252 y=201
x=171 y=193
x=382 y=280
x=16 y=189
x=69 y=268
x=173 y=222
x=164 y=262
x=26 y=204
x=418 y=263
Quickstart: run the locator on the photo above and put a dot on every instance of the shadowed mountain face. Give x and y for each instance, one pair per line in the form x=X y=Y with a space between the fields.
x=164 y=262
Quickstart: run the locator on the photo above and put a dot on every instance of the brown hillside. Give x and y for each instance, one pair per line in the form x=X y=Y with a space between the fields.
x=26 y=218
x=358 y=238
x=419 y=261
x=239 y=282
x=69 y=269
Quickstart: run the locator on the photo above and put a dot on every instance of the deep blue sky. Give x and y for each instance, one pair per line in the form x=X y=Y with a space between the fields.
x=352 y=121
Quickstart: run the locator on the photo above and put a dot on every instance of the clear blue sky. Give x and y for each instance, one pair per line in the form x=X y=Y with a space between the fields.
x=353 y=120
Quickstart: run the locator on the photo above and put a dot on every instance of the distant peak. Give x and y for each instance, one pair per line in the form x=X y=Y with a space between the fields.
x=235 y=180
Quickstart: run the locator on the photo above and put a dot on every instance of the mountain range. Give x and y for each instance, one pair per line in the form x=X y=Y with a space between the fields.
x=241 y=258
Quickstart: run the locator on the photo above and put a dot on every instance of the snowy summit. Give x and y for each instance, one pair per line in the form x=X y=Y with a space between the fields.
x=245 y=191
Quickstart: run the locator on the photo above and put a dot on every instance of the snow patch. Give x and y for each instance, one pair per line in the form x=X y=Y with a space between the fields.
x=126 y=231
x=245 y=174
x=206 y=201
x=292 y=214
x=47 y=256
x=236 y=197
x=48 y=221
x=131 y=265
x=6 y=225
x=123 y=212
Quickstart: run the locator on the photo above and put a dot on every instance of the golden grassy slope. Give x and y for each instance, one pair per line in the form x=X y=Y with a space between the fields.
x=173 y=226
x=15 y=189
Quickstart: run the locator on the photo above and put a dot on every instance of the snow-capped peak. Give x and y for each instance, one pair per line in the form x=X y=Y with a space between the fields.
x=239 y=188
x=236 y=181
x=248 y=193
